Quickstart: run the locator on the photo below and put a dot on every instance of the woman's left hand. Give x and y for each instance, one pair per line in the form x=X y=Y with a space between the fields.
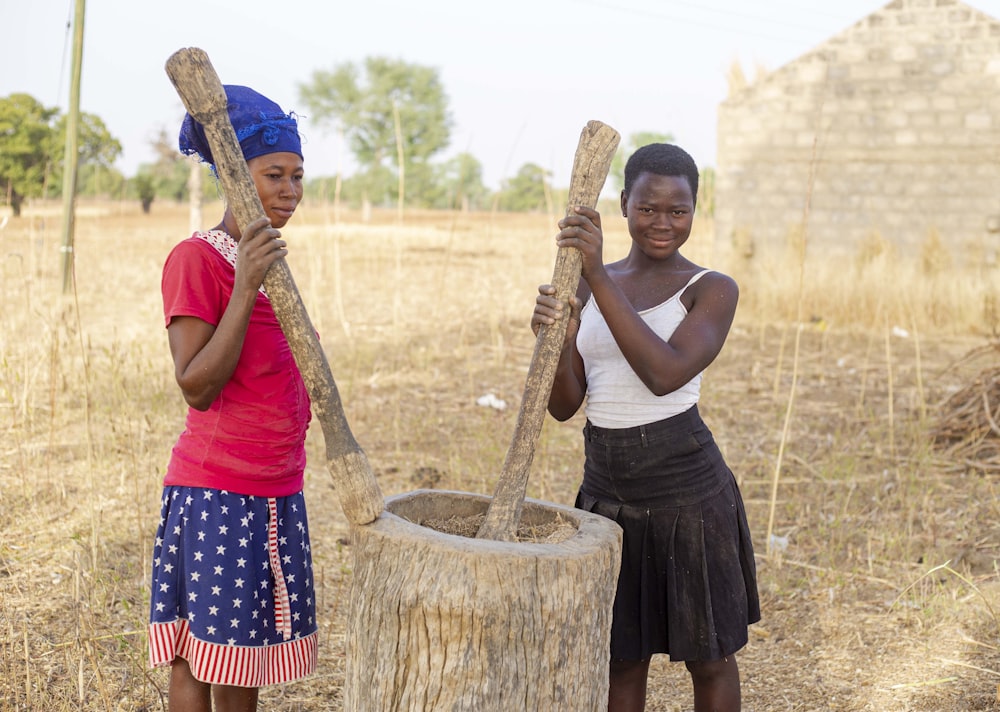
x=582 y=229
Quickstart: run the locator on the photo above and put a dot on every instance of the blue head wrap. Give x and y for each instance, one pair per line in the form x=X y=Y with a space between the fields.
x=260 y=124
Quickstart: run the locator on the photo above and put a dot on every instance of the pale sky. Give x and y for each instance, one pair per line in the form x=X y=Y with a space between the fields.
x=522 y=76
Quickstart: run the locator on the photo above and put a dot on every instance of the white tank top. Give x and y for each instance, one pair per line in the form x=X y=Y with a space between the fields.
x=616 y=397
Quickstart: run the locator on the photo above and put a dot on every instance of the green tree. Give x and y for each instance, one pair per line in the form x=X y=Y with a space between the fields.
x=616 y=177
x=97 y=145
x=370 y=104
x=461 y=181
x=526 y=191
x=145 y=188
x=99 y=181
x=33 y=145
x=26 y=141
x=97 y=150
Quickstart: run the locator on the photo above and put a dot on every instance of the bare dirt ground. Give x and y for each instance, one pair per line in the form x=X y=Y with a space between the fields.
x=879 y=587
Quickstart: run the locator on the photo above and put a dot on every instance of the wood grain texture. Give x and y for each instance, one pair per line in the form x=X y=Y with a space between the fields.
x=443 y=622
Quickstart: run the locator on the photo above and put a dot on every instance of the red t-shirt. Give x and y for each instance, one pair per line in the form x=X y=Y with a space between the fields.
x=251 y=440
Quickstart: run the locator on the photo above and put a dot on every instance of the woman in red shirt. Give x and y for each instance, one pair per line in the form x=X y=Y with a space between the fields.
x=233 y=605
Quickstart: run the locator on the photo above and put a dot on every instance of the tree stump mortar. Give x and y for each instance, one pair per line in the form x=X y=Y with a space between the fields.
x=439 y=621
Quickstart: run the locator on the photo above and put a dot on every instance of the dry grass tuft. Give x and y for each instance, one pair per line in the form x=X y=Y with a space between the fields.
x=967 y=428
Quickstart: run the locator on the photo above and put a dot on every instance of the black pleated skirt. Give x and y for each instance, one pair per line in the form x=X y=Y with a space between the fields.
x=688 y=583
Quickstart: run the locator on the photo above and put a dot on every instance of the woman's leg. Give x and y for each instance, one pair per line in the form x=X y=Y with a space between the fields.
x=627 y=691
x=716 y=684
x=187 y=694
x=234 y=699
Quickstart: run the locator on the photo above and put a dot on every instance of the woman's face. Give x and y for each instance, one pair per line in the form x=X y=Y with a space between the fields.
x=660 y=211
x=278 y=177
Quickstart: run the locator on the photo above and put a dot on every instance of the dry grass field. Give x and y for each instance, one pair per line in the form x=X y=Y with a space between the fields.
x=877 y=546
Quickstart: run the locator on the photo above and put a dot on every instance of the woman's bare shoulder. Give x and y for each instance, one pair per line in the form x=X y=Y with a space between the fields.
x=712 y=279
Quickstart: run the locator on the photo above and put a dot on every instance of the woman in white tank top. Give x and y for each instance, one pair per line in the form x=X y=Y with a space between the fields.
x=650 y=323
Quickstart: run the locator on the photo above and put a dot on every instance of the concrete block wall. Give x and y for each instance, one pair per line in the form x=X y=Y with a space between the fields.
x=892 y=126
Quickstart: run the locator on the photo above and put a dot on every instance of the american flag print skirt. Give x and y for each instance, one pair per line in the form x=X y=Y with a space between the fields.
x=232 y=587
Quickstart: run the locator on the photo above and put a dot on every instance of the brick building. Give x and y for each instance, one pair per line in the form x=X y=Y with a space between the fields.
x=897 y=118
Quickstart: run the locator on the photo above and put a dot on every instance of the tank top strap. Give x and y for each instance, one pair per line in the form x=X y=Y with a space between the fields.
x=691 y=281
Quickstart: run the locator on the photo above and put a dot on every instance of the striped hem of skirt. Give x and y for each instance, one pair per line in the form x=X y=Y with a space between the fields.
x=236 y=665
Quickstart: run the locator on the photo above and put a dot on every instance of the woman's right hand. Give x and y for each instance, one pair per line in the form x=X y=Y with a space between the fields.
x=549 y=309
x=259 y=248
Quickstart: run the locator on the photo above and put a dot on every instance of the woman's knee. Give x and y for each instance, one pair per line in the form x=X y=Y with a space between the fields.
x=724 y=668
x=625 y=668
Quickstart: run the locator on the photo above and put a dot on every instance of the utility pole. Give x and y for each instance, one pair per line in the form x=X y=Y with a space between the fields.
x=72 y=156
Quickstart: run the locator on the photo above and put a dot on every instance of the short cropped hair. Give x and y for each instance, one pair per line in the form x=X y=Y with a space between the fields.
x=664 y=159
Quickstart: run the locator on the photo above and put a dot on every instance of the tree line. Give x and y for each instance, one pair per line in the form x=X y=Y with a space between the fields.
x=393 y=116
